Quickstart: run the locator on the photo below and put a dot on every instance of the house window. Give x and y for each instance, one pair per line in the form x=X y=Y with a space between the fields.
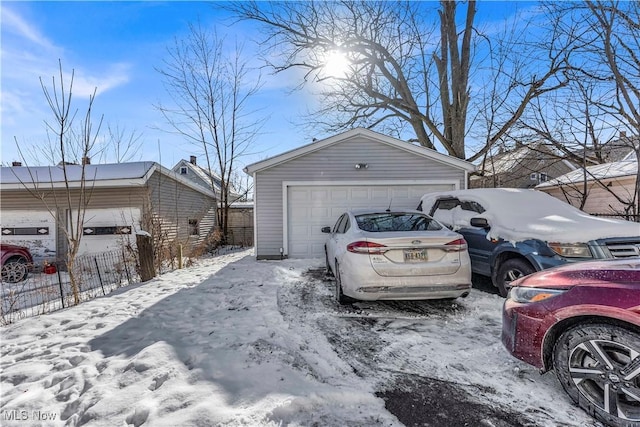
x=183 y=170
x=543 y=177
x=193 y=227
x=534 y=177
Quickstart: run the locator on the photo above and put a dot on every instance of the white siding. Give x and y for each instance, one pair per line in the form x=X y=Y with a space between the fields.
x=336 y=163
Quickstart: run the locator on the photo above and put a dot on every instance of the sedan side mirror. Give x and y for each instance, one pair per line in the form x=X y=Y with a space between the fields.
x=326 y=229
x=480 y=223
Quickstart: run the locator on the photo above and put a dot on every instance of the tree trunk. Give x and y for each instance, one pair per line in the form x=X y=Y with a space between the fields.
x=145 y=255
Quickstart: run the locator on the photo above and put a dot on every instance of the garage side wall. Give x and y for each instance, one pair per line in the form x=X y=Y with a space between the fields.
x=184 y=215
x=336 y=163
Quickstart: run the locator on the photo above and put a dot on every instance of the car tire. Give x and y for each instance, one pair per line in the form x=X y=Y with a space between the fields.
x=597 y=365
x=510 y=270
x=14 y=270
x=341 y=298
x=328 y=273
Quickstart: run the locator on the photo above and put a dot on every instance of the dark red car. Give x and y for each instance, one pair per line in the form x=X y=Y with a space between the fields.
x=583 y=321
x=16 y=263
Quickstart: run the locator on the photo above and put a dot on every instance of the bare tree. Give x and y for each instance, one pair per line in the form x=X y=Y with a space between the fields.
x=211 y=91
x=410 y=67
x=601 y=104
x=123 y=145
x=67 y=144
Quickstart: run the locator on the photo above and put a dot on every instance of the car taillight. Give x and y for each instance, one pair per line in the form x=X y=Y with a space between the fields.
x=457 y=245
x=362 y=247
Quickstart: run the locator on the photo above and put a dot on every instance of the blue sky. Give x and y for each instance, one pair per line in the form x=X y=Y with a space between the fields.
x=116 y=47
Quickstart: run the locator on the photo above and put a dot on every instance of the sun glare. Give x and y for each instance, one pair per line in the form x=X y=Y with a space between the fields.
x=336 y=64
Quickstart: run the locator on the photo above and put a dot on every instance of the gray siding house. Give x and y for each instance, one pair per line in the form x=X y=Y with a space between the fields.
x=298 y=192
x=121 y=199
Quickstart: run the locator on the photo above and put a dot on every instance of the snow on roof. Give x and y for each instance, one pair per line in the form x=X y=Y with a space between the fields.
x=246 y=204
x=205 y=175
x=98 y=175
x=510 y=160
x=602 y=171
x=98 y=172
x=505 y=162
x=518 y=214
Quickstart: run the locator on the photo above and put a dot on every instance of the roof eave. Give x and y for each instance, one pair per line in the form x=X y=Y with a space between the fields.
x=318 y=145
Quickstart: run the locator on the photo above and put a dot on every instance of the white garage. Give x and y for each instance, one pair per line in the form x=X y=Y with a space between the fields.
x=37 y=231
x=298 y=192
x=311 y=206
x=106 y=230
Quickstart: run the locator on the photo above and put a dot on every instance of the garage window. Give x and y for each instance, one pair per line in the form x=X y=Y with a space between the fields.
x=193 y=227
x=25 y=231
x=105 y=231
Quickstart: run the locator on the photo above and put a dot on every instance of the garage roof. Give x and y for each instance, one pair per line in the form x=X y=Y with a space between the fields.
x=358 y=132
x=99 y=175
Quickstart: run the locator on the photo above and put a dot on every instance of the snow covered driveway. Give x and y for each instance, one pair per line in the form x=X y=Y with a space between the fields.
x=234 y=341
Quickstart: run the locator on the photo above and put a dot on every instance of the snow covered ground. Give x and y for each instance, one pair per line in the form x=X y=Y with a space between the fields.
x=234 y=341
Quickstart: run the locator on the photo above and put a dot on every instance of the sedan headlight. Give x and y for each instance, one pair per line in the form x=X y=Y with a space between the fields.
x=526 y=295
x=571 y=250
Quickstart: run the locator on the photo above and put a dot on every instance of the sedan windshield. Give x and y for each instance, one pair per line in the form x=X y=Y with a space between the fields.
x=381 y=222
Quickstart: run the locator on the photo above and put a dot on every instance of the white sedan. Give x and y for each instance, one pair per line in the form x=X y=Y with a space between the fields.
x=396 y=255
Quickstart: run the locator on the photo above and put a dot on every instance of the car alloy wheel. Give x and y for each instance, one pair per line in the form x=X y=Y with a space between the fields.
x=599 y=367
x=14 y=270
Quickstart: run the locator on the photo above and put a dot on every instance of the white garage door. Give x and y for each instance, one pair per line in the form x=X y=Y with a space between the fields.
x=309 y=208
x=33 y=229
x=106 y=230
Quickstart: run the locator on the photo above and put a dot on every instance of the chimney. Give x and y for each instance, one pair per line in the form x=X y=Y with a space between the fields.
x=623 y=134
x=86 y=160
x=16 y=163
x=193 y=160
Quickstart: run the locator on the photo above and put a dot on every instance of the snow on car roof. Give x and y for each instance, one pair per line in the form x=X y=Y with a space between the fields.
x=519 y=214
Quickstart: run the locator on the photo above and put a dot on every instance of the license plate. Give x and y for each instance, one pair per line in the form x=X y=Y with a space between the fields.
x=415 y=255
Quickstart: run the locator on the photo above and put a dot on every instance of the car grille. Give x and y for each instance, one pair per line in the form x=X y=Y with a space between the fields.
x=624 y=249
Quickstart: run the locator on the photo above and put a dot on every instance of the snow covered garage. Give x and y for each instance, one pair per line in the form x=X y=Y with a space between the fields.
x=300 y=191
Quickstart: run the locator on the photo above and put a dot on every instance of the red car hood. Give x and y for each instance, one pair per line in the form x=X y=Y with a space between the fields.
x=620 y=272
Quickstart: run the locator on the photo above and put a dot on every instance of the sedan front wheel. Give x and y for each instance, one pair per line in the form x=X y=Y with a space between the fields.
x=599 y=367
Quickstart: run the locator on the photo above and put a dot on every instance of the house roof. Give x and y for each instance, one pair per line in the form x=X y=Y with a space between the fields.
x=597 y=172
x=206 y=175
x=354 y=133
x=203 y=173
x=130 y=174
x=613 y=151
x=509 y=160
